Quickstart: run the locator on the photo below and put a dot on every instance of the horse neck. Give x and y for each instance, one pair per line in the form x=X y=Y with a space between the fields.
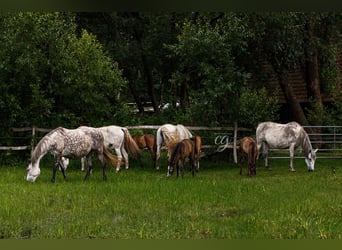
x=41 y=149
x=305 y=142
x=175 y=154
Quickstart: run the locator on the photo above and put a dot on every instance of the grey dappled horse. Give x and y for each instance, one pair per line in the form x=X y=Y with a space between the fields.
x=280 y=136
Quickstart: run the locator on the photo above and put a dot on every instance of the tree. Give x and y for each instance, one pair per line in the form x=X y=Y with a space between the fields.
x=209 y=81
x=51 y=77
x=136 y=41
x=290 y=39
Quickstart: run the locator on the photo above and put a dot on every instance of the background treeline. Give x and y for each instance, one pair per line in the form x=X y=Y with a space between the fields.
x=71 y=69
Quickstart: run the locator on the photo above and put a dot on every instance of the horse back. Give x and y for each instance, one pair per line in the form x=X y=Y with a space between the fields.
x=150 y=139
x=245 y=143
x=182 y=150
x=278 y=135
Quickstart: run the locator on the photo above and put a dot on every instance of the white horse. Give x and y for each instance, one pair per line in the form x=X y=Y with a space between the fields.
x=169 y=135
x=119 y=139
x=69 y=143
x=280 y=136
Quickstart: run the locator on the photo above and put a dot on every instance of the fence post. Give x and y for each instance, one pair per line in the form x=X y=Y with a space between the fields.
x=32 y=140
x=235 y=143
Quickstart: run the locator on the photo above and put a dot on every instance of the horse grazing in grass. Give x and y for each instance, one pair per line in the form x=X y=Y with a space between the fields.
x=249 y=147
x=169 y=135
x=280 y=136
x=69 y=143
x=119 y=139
x=185 y=149
x=146 y=141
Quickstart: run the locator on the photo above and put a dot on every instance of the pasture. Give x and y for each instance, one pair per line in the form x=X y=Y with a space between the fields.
x=141 y=203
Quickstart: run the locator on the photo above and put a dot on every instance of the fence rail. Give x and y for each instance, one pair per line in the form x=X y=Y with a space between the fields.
x=225 y=137
x=328 y=139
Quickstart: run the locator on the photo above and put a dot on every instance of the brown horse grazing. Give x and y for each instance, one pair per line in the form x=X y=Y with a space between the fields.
x=186 y=148
x=146 y=141
x=248 y=146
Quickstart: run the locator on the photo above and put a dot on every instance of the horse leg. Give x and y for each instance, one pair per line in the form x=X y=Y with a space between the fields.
x=254 y=169
x=183 y=167
x=62 y=170
x=265 y=155
x=249 y=169
x=193 y=167
x=54 y=169
x=82 y=163
x=177 y=165
x=157 y=154
x=153 y=154
x=291 y=148
x=119 y=159
x=90 y=167
x=103 y=164
x=125 y=157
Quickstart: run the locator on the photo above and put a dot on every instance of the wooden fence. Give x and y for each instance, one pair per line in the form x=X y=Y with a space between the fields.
x=220 y=138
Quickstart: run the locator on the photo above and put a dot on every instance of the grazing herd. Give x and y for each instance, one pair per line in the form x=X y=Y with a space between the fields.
x=181 y=145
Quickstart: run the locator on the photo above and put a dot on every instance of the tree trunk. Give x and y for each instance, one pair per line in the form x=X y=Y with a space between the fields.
x=296 y=110
x=312 y=76
x=184 y=100
x=149 y=78
x=138 y=34
x=312 y=72
x=136 y=97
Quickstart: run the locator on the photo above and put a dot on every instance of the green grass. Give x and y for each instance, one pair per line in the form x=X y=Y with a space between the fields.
x=144 y=204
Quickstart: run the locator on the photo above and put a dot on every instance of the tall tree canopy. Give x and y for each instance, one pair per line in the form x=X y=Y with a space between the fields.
x=80 y=68
x=51 y=76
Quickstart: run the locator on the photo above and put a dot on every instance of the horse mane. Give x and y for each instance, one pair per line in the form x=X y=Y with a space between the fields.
x=44 y=144
x=175 y=152
x=305 y=142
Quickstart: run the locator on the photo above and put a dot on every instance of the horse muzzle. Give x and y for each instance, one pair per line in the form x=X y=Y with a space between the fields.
x=31 y=178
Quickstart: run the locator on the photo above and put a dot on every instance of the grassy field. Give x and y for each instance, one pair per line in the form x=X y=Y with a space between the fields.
x=144 y=204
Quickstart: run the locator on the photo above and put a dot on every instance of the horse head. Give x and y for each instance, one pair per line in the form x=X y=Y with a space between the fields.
x=310 y=160
x=33 y=171
x=170 y=170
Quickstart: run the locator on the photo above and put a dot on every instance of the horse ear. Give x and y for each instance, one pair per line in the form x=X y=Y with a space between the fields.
x=315 y=150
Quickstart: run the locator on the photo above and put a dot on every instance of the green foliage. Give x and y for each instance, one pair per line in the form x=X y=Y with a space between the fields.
x=51 y=77
x=257 y=106
x=207 y=67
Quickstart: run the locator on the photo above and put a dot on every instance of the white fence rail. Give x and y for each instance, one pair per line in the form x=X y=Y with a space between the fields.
x=215 y=139
x=328 y=139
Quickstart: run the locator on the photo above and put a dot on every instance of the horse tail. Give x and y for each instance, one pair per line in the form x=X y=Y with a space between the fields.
x=109 y=157
x=252 y=153
x=130 y=144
